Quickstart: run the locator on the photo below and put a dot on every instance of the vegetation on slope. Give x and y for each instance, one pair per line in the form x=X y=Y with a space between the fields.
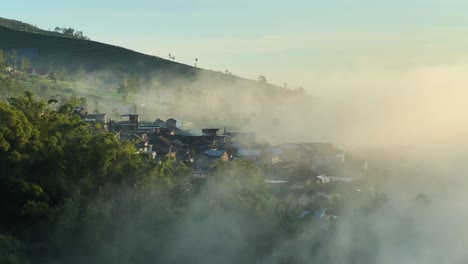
x=44 y=48
x=73 y=194
x=58 y=31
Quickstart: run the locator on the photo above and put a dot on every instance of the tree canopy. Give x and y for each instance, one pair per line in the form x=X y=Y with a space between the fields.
x=71 y=32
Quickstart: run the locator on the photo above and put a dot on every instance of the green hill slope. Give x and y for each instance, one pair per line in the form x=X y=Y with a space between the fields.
x=168 y=89
x=18 y=25
x=44 y=48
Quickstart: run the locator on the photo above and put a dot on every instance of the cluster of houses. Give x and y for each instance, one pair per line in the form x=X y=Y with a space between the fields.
x=302 y=174
x=32 y=72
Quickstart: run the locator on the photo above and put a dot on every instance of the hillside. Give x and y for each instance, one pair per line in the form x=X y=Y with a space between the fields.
x=18 y=25
x=44 y=48
x=167 y=88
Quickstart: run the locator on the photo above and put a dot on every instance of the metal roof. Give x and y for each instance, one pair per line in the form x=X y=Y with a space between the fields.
x=214 y=153
x=248 y=152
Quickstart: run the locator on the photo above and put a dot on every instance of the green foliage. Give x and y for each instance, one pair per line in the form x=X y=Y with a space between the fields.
x=12 y=58
x=71 y=194
x=60 y=74
x=71 y=32
x=245 y=188
x=29 y=104
x=10 y=87
x=16 y=132
x=25 y=64
x=80 y=73
x=10 y=251
x=2 y=61
x=129 y=88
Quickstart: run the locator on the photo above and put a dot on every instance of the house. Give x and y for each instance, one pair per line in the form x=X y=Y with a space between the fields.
x=185 y=157
x=38 y=72
x=160 y=123
x=171 y=122
x=204 y=163
x=154 y=129
x=210 y=132
x=141 y=141
x=271 y=155
x=251 y=154
x=81 y=111
x=169 y=127
x=9 y=69
x=129 y=122
x=161 y=144
x=214 y=153
x=98 y=118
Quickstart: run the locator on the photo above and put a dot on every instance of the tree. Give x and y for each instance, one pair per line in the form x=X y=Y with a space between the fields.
x=71 y=32
x=60 y=74
x=96 y=106
x=25 y=64
x=129 y=88
x=16 y=132
x=124 y=92
x=262 y=79
x=133 y=82
x=10 y=87
x=2 y=61
x=80 y=74
x=299 y=91
x=30 y=106
x=13 y=57
x=10 y=251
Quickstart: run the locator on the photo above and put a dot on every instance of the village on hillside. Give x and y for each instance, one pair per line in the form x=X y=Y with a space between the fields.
x=309 y=177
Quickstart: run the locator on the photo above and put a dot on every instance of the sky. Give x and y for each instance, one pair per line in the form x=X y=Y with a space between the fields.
x=314 y=44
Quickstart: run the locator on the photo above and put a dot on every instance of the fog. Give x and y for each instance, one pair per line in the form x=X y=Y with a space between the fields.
x=415 y=114
x=408 y=123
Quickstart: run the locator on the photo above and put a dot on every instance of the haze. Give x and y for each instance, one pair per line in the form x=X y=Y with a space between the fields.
x=395 y=69
x=385 y=81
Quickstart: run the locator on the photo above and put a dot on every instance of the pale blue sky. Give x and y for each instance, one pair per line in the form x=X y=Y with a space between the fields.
x=287 y=41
